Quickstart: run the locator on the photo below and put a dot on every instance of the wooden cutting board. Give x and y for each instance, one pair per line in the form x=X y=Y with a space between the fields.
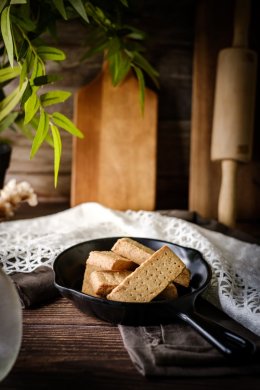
x=115 y=163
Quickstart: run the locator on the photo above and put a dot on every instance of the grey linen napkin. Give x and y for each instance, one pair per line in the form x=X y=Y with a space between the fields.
x=178 y=350
x=36 y=287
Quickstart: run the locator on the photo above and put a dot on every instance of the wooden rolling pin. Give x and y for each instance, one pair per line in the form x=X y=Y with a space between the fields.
x=233 y=118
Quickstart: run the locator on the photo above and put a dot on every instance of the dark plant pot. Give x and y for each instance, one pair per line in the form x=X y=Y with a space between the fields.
x=5 y=155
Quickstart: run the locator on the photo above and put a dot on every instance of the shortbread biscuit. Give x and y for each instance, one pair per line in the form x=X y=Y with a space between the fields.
x=108 y=260
x=86 y=285
x=103 y=282
x=184 y=278
x=170 y=292
x=138 y=253
x=150 y=278
x=132 y=250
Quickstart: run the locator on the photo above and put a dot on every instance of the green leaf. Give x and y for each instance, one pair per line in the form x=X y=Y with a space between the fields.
x=114 y=46
x=9 y=103
x=59 y=4
x=57 y=152
x=66 y=124
x=114 y=59
x=22 y=50
x=50 y=53
x=124 y=2
x=8 y=121
x=4 y=102
x=18 y=1
x=79 y=7
x=26 y=24
x=7 y=34
x=49 y=140
x=35 y=122
x=9 y=73
x=140 y=78
x=31 y=106
x=27 y=93
x=134 y=33
x=140 y=61
x=41 y=133
x=2 y=5
x=38 y=69
x=47 y=79
x=95 y=50
x=23 y=74
x=54 y=97
x=29 y=60
x=123 y=64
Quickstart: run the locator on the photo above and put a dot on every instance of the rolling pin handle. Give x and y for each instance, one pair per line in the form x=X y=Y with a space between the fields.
x=227 y=196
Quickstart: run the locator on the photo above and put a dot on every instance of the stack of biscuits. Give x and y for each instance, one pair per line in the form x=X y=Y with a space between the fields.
x=132 y=272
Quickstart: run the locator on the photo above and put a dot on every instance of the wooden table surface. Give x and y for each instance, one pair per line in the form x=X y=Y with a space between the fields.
x=66 y=349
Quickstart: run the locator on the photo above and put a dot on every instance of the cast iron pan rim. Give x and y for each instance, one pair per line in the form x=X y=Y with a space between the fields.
x=124 y=304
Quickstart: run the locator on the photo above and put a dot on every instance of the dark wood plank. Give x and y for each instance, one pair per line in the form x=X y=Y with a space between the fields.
x=173 y=164
x=46 y=315
x=65 y=348
x=205 y=175
x=208 y=41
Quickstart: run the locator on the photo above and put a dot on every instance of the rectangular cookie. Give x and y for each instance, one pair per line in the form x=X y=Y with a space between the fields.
x=150 y=278
x=170 y=292
x=138 y=253
x=86 y=285
x=184 y=278
x=108 y=260
x=103 y=282
x=132 y=249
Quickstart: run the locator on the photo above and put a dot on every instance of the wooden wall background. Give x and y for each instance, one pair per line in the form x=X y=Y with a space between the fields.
x=170 y=25
x=170 y=28
x=213 y=32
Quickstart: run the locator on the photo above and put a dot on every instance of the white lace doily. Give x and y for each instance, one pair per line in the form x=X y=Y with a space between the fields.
x=235 y=286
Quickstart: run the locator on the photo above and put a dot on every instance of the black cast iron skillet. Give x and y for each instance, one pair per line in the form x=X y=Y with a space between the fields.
x=69 y=269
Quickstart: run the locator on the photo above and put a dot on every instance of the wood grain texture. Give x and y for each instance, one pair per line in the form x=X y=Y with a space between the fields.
x=234 y=101
x=169 y=48
x=64 y=348
x=115 y=164
x=234 y=105
x=234 y=109
x=227 y=203
x=205 y=175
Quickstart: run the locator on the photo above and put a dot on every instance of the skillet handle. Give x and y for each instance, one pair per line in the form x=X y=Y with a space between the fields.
x=229 y=343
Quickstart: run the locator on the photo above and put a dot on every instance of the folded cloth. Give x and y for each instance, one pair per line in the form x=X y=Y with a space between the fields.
x=174 y=349
x=178 y=350
x=36 y=287
x=211 y=224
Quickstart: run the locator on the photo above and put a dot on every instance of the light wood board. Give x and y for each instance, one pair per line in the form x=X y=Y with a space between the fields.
x=115 y=163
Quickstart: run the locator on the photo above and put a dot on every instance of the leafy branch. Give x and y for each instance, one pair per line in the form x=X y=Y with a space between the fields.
x=24 y=57
x=122 y=45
